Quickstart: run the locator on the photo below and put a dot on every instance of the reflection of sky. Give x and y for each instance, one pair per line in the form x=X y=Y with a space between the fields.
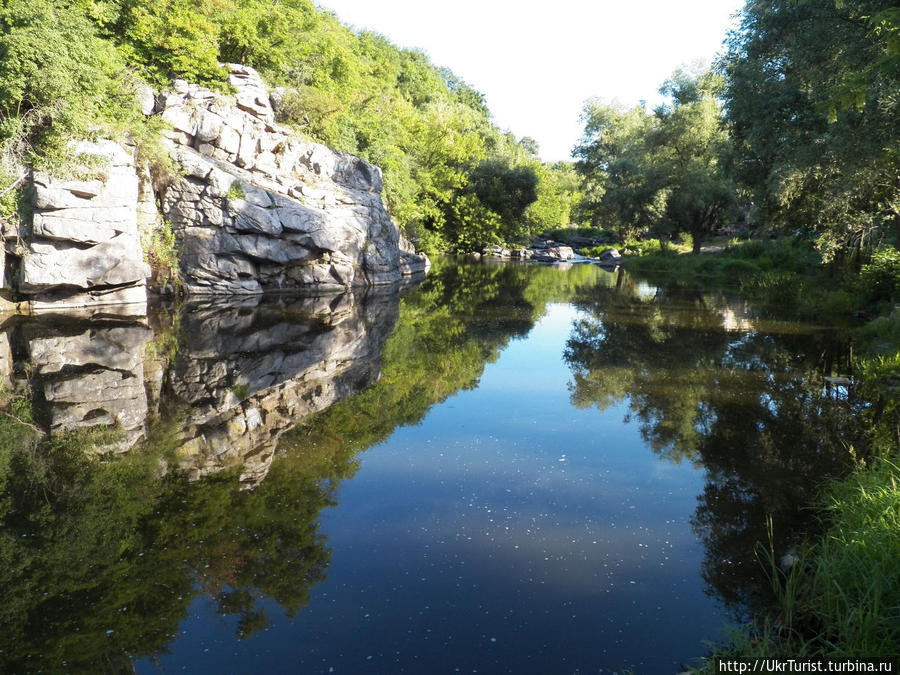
x=508 y=532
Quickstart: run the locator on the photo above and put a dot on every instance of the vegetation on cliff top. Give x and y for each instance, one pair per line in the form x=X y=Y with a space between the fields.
x=453 y=180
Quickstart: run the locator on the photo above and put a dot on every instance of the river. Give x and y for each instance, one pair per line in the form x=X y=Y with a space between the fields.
x=510 y=468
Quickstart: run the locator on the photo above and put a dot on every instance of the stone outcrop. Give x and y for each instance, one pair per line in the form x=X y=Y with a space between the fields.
x=254 y=209
x=84 y=248
x=258 y=209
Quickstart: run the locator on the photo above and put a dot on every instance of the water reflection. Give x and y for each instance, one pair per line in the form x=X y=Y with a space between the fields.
x=243 y=420
x=101 y=561
x=746 y=398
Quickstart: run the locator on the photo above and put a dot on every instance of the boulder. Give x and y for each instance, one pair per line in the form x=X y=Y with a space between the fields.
x=555 y=254
x=610 y=255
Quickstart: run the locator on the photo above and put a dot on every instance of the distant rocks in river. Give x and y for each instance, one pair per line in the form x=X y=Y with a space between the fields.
x=548 y=251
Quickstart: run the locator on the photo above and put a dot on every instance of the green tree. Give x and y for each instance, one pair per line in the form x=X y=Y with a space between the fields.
x=662 y=172
x=811 y=101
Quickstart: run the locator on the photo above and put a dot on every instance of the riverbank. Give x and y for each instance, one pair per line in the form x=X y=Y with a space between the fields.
x=838 y=595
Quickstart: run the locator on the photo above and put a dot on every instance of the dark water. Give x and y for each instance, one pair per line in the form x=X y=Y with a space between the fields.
x=506 y=469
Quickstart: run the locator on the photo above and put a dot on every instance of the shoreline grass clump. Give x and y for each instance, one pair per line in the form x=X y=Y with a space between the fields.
x=855 y=585
x=841 y=597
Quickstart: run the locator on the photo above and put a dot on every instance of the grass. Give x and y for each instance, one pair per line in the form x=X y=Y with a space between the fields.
x=856 y=578
x=842 y=597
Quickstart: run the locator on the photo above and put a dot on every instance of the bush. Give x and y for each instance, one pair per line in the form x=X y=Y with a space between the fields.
x=881 y=277
x=595 y=251
x=162 y=254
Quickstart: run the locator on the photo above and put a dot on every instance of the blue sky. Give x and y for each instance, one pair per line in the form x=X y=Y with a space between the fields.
x=538 y=62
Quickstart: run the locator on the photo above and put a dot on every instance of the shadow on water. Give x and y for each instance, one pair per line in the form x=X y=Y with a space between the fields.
x=146 y=462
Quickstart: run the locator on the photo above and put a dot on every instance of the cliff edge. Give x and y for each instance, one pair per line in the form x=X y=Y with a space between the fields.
x=252 y=208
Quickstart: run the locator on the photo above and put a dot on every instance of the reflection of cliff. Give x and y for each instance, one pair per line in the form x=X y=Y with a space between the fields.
x=108 y=556
x=81 y=373
x=250 y=373
x=240 y=374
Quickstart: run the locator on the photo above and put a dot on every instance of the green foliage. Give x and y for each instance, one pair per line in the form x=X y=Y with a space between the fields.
x=813 y=114
x=595 y=251
x=661 y=172
x=841 y=598
x=506 y=190
x=171 y=38
x=57 y=78
x=881 y=277
x=566 y=235
x=69 y=70
x=856 y=582
x=236 y=191
x=162 y=253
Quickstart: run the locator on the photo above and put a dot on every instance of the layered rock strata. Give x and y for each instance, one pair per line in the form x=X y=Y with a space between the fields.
x=243 y=373
x=258 y=209
x=84 y=248
x=254 y=209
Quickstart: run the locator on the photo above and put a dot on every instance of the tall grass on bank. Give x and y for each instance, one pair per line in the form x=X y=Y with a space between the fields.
x=856 y=578
x=841 y=597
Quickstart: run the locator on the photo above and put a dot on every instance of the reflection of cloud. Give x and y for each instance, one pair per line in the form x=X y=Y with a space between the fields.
x=645 y=291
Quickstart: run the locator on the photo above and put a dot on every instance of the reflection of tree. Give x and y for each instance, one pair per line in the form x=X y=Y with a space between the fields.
x=449 y=329
x=749 y=407
x=100 y=562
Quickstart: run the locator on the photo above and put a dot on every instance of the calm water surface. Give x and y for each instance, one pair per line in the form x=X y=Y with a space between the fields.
x=508 y=469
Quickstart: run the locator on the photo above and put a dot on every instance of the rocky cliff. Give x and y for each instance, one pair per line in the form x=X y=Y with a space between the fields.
x=253 y=208
x=258 y=209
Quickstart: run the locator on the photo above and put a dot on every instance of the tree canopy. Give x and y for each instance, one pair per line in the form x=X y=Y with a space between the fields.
x=797 y=121
x=69 y=68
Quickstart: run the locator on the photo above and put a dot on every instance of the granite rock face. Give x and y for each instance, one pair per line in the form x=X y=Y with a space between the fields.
x=255 y=209
x=258 y=209
x=84 y=248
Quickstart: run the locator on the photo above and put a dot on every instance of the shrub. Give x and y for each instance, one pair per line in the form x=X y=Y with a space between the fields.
x=162 y=254
x=595 y=251
x=881 y=277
